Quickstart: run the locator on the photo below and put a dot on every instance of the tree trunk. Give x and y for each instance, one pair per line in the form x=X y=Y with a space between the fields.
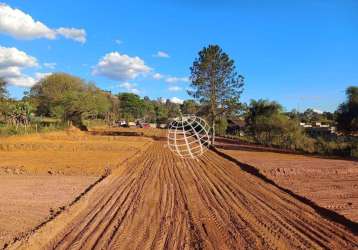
x=213 y=132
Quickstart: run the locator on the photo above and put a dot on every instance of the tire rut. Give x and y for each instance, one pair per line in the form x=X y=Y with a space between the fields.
x=162 y=202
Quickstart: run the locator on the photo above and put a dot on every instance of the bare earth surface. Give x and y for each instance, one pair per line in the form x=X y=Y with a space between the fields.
x=40 y=173
x=66 y=153
x=26 y=201
x=161 y=202
x=331 y=183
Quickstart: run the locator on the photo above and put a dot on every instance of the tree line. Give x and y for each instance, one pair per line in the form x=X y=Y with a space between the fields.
x=216 y=88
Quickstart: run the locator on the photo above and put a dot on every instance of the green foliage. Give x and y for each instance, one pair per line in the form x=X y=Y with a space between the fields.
x=16 y=112
x=131 y=106
x=277 y=129
x=347 y=113
x=261 y=108
x=173 y=109
x=60 y=98
x=49 y=92
x=37 y=126
x=149 y=110
x=221 y=126
x=310 y=116
x=161 y=112
x=189 y=107
x=69 y=98
x=269 y=126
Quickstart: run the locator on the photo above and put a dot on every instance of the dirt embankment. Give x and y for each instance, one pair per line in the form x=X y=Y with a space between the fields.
x=159 y=201
x=331 y=183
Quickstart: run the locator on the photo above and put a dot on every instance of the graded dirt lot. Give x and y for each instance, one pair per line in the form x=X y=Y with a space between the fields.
x=66 y=153
x=27 y=201
x=331 y=183
x=159 y=201
x=40 y=173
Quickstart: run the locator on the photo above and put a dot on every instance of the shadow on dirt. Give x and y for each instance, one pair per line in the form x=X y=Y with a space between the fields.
x=158 y=138
x=127 y=133
x=324 y=212
x=116 y=133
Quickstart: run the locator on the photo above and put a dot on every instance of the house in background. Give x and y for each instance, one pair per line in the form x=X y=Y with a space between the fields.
x=318 y=129
x=236 y=127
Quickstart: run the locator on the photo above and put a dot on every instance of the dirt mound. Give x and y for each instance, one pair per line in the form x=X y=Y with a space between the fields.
x=161 y=202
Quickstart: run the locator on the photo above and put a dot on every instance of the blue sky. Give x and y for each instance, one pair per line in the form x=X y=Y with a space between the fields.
x=301 y=54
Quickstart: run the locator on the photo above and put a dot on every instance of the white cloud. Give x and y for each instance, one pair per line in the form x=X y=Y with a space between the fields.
x=20 y=25
x=50 y=65
x=174 y=89
x=22 y=81
x=161 y=54
x=40 y=75
x=78 y=35
x=25 y=80
x=130 y=87
x=157 y=76
x=12 y=57
x=317 y=111
x=173 y=79
x=12 y=62
x=118 y=41
x=176 y=100
x=120 y=67
x=170 y=79
x=162 y=100
x=9 y=72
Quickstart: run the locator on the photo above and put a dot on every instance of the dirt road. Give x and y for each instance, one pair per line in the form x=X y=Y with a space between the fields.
x=162 y=202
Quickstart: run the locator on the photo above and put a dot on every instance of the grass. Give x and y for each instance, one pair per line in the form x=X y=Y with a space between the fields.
x=39 y=127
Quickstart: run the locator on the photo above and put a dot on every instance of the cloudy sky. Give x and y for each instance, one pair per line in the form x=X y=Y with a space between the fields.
x=300 y=54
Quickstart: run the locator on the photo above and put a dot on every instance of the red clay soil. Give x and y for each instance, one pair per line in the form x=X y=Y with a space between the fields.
x=162 y=202
x=26 y=201
x=331 y=183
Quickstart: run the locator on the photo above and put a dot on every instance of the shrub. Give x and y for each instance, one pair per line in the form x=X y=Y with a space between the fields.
x=221 y=126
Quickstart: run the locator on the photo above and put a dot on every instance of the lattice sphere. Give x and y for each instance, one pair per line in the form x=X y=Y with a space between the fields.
x=188 y=136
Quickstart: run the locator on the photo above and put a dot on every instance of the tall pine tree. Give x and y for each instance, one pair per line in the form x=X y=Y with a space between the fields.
x=216 y=83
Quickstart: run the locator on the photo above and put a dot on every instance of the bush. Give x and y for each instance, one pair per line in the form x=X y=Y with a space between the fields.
x=221 y=126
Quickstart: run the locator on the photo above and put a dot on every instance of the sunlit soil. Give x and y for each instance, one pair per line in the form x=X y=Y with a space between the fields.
x=160 y=201
x=40 y=173
x=331 y=183
x=66 y=153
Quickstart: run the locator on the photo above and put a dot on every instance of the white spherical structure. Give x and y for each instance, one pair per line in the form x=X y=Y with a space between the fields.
x=188 y=136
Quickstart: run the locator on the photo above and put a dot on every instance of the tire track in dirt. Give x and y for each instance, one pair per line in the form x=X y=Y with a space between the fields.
x=162 y=202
